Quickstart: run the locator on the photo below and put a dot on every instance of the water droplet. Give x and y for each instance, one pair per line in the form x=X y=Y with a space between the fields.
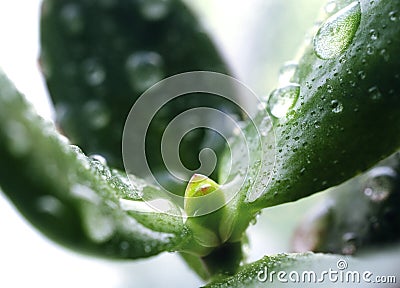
x=147 y=248
x=94 y=72
x=18 y=137
x=337 y=32
x=283 y=99
x=380 y=184
x=362 y=74
x=99 y=158
x=385 y=55
x=329 y=88
x=50 y=205
x=342 y=59
x=330 y=6
x=286 y=73
x=154 y=9
x=124 y=245
x=265 y=126
x=71 y=16
x=349 y=246
x=97 y=114
x=85 y=193
x=370 y=49
x=374 y=93
x=144 y=70
x=98 y=226
x=393 y=15
x=254 y=220
x=76 y=149
x=373 y=34
x=336 y=106
x=103 y=170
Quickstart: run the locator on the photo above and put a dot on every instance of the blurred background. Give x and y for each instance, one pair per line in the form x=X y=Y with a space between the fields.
x=255 y=36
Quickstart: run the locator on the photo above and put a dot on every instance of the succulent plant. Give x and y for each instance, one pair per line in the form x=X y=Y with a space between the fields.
x=333 y=116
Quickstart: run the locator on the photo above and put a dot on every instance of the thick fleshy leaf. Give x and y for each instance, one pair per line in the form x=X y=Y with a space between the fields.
x=98 y=57
x=346 y=118
x=356 y=215
x=76 y=200
x=339 y=116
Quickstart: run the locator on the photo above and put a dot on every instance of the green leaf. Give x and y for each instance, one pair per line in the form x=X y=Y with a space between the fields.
x=99 y=57
x=359 y=214
x=75 y=200
x=344 y=119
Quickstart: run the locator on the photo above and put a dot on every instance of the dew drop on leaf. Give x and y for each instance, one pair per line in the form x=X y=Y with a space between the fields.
x=349 y=245
x=99 y=158
x=370 y=49
x=144 y=69
x=97 y=115
x=154 y=9
x=374 y=93
x=393 y=15
x=281 y=100
x=71 y=16
x=98 y=226
x=286 y=73
x=373 y=34
x=93 y=72
x=103 y=170
x=265 y=126
x=380 y=184
x=19 y=140
x=384 y=55
x=124 y=246
x=83 y=192
x=362 y=74
x=337 y=32
x=50 y=205
x=337 y=107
